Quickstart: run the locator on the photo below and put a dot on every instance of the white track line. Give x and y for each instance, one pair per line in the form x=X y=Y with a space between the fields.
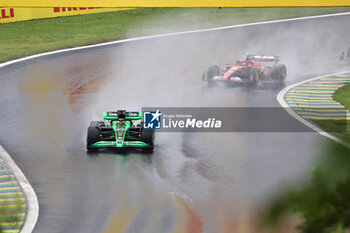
x=32 y=199
x=281 y=100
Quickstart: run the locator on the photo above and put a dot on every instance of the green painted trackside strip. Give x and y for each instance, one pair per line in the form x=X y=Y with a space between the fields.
x=296 y=100
x=322 y=84
x=309 y=97
x=313 y=88
x=309 y=117
x=12 y=201
x=10 y=189
x=319 y=86
x=306 y=89
x=5 y=178
x=324 y=118
x=301 y=94
x=311 y=92
x=12 y=206
x=311 y=101
x=8 y=184
x=320 y=110
x=322 y=114
x=308 y=94
x=11 y=194
x=314 y=100
x=10 y=218
x=308 y=100
x=316 y=106
x=334 y=82
x=9 y=225
x=6 y=215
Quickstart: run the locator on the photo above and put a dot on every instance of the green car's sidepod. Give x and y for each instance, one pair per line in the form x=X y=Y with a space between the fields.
x=120 y=132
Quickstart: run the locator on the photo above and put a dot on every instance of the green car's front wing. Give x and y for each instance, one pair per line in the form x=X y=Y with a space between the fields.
x=102 y=144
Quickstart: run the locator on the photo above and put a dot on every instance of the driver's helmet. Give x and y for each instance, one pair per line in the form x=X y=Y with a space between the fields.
x=249 y=56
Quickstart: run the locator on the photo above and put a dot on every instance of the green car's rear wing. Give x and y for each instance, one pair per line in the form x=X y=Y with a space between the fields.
x=128 y=115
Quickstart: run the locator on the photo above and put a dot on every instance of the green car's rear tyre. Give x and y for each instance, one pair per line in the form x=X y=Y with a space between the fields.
x=147 y=136
x=93 y=135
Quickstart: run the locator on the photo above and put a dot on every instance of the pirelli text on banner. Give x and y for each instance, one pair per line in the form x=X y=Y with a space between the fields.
x=11 y=14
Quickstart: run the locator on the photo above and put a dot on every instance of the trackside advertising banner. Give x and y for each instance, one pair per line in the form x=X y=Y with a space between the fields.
x=171 y=3
x=8 y=15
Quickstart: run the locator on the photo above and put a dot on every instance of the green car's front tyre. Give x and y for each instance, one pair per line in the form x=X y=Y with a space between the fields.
x=93 y=135
x=147 y=136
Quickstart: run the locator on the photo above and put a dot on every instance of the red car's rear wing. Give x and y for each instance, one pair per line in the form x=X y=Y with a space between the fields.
x=266 y=58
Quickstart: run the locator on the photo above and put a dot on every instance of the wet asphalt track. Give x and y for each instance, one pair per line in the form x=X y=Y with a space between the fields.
x=195 y=182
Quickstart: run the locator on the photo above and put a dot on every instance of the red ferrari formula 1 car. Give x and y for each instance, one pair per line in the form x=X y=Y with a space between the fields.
x=248 y=72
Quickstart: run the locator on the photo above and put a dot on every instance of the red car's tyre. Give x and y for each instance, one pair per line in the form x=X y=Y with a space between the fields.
x=278 y=72
x=252 y=79
x=211 y=73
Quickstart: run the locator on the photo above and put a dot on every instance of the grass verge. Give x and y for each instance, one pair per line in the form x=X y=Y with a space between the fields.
x=342 y=95
x=340 y=128
x=31 y=37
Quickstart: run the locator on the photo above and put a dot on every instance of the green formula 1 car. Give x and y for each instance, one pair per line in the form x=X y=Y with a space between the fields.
x=118 y=130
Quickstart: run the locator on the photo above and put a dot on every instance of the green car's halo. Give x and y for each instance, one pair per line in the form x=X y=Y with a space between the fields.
x=119 y=129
